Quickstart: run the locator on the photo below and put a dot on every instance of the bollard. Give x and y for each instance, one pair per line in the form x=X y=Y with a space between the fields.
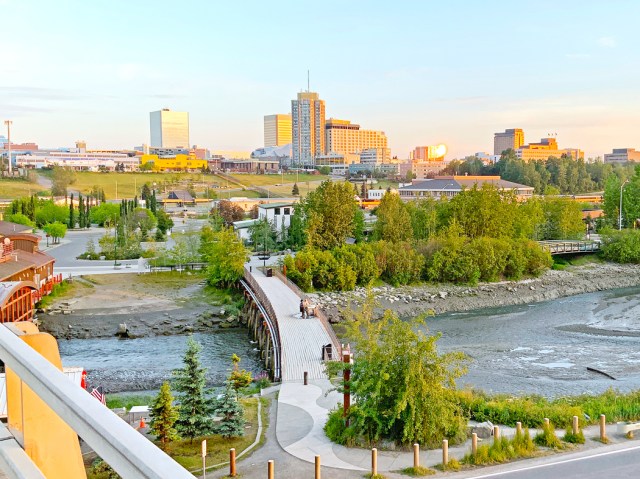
x=445 y=453
x=546 y=421
x=416 y=456
x=270 y=469
x=575 y=427
x=318 y=467
x=374 y=461
x=232 y=462
x=518 y=428
x=496 y=434
x=306 y=378
x=474 y=444
x=603 y=428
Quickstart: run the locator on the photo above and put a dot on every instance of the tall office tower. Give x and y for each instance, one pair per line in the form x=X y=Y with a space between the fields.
x=512 y=138
x=169 y=129
x=307 y=124
x=344 y=137
x=277 y=130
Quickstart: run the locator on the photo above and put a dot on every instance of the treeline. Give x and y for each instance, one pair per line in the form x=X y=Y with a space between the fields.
x=562 y=175
x=482 y=234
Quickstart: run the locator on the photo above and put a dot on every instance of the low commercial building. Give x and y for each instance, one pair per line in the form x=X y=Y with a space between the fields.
x=250 y=166
x=79 y=161
x=178 y=162
x=546 y=148
x=622 y=155
x=450 y=186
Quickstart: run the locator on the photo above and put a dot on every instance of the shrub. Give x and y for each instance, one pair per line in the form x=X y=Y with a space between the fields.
x=20 y=219
x=621 y=246
x=547 y=437
x=572 y=438
x=502 y=450
x=419 y=471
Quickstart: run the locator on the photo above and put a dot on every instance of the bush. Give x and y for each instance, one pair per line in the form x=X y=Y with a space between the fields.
x=547 y=437
x=20 y=219
x=621 y=246
x=572 y=438
x=502 y=450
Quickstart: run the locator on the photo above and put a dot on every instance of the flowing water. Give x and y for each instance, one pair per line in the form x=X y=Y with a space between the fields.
x=144 y=363
x=546 y=348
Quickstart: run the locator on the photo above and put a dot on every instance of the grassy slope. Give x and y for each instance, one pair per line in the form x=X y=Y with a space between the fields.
x=10 y=189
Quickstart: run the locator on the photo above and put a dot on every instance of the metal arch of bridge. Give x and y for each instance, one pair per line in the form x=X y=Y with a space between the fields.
x=570 y=247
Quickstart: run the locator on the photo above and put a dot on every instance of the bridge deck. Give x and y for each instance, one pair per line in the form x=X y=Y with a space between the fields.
x=301 y=339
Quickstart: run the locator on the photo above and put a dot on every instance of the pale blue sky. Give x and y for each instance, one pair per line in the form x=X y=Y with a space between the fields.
x=425 y=72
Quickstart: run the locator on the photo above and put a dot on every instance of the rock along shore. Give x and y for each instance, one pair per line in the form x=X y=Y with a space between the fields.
x=409 y=301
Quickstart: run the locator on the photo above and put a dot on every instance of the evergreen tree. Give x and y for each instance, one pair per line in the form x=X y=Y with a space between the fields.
x=195 y=411
x=72 y=220
x=295 y=191
x=228 y=407
x=87 y=215
x=146 y=193
x=80 y=211
x=164 y=416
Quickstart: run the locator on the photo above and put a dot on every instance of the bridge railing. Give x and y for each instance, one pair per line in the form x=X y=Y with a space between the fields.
x=271 y=319
x=561 y=247
x=337 y=347
x=127 y=451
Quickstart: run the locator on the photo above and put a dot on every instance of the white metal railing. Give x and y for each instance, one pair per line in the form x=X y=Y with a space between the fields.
x=127 y=451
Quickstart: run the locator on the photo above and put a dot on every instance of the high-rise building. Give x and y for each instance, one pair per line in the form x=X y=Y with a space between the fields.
x=308 y=125
x=510 y=139
x=277 y=130
x=169 y=129
x=344 y=137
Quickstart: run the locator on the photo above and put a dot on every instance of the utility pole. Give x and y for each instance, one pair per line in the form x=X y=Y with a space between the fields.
x=8 y=123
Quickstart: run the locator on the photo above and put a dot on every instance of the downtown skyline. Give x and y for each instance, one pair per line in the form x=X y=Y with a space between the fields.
x=462 y=73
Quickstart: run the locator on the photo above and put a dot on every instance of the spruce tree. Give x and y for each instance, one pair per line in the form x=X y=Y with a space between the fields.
x=228 y=407
x=295 y=191
x=163 y=416
x=80 y=211
x=194 y=414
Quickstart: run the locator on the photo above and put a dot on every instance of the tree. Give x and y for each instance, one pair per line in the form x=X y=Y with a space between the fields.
x=228 y=407
x=402 y=388
x=194 y=414
x=295 y=191
x=72 y=219
x=329 y=213
x=56 y=230
x=146 y=193
x=61 y=178
x=227 y=256
x=393 y=223
x=239 y=378
x=296 y=238
x=563 y=219
x=49 y=212
x=164 y=416
x=262 y=235
x=143 y=218
x=229 y=211
x=20 y=219
x=165 y=222
x=105 y=214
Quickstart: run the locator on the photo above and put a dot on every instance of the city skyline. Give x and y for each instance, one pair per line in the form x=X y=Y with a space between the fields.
x=456 y=82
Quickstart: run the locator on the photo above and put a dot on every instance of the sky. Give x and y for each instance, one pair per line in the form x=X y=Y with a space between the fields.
x=424 y=72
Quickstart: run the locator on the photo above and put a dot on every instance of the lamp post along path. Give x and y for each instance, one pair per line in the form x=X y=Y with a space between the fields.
x=620 y=211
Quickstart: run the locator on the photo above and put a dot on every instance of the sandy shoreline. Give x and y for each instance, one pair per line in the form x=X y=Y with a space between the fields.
x=410 y=301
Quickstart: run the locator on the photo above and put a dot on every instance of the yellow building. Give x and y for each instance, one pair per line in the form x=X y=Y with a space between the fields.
x=546 y=148
x=179 y=162
x=344 y=137
x=510 y=139
x=277 y=130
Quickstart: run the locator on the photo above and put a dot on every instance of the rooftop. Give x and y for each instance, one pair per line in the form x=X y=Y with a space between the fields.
x=7 y=228
x=269 y=206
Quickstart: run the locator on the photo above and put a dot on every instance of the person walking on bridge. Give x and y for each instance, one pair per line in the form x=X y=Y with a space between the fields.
x=303 y=309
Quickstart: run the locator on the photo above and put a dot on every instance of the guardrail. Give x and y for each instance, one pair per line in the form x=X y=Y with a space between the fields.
x=562 y=247
x=252 y=286
x=318 y=312
x=131 y=454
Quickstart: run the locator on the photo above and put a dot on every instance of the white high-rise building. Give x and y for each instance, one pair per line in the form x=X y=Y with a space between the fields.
x=308 y=124
x=169 y=129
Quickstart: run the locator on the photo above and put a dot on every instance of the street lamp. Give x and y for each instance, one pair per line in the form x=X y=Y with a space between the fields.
x=620 y=217
x=8 y=123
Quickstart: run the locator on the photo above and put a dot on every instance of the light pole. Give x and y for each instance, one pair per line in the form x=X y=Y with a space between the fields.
x=620 y=216
x=8 y=123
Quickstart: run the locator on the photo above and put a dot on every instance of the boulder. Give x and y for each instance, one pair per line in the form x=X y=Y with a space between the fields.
x=483 y=429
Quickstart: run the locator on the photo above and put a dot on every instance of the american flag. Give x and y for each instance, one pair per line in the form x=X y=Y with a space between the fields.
x=99 y=395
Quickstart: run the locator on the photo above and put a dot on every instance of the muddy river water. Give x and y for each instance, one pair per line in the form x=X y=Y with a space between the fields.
x=542 y=348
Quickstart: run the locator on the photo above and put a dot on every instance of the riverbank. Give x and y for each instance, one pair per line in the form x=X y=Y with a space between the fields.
x=410 y=301
x=155 y=304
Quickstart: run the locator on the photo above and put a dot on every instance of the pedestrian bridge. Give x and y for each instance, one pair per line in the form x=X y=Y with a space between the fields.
x=570 y=247
x=297 y=346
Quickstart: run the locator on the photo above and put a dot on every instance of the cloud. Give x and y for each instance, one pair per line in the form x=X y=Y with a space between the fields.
x=608 y=42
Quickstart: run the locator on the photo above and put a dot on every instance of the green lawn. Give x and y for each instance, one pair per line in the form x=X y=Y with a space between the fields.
x=10 y=189
x=130 y=184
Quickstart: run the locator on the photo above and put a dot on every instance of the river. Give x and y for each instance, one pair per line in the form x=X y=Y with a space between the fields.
x=143 y=364
x=545 y=348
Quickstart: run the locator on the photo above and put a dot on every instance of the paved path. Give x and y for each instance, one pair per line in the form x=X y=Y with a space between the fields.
x=301 y=339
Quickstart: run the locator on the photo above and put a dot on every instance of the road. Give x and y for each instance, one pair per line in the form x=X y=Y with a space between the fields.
x=619 y=461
